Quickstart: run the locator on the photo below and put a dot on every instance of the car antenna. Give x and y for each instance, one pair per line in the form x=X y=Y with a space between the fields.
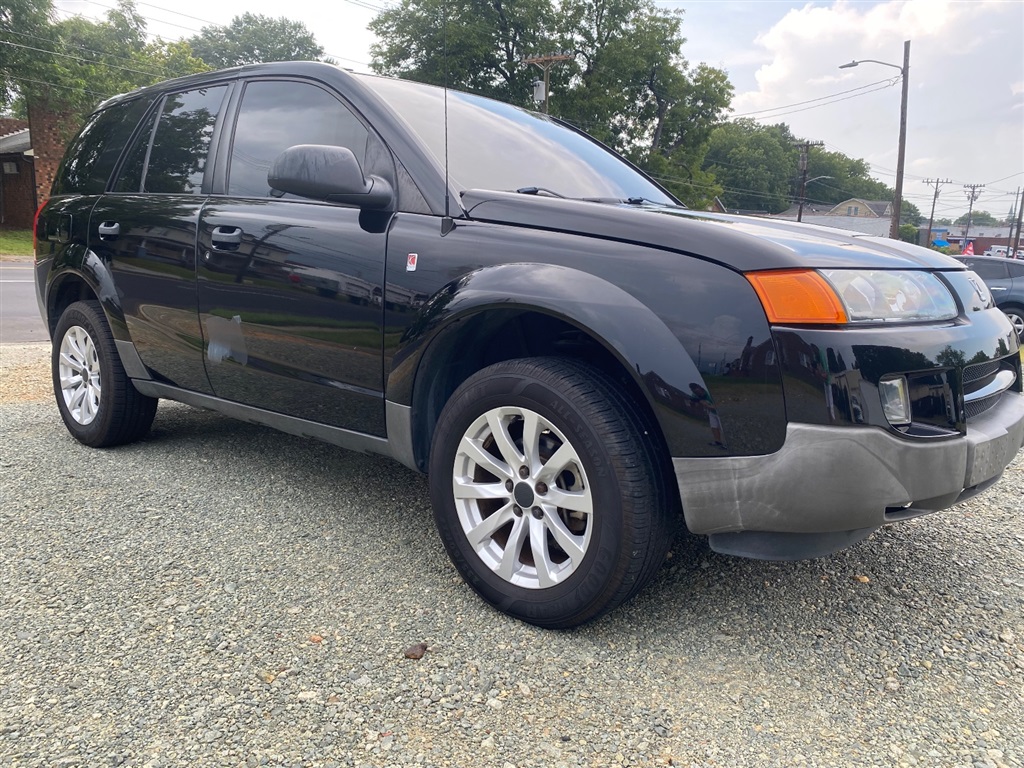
x=447 y=223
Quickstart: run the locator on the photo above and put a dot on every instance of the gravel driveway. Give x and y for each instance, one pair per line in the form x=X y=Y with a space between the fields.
x=221 y=594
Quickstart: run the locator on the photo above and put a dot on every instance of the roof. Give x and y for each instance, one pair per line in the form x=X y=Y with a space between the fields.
x=870 y=225
x=16 y=142
x=877 y=207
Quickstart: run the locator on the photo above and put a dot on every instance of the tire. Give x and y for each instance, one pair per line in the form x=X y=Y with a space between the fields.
x=1016 y=315
x=96 y=399
x=599 y=523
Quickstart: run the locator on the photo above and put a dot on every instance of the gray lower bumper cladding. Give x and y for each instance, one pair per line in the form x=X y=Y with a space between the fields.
x=832 y=486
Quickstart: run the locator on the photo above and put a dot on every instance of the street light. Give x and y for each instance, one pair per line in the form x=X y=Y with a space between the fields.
x=894 y=227
x=803 y=199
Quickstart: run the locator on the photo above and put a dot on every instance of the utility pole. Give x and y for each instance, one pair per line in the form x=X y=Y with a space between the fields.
x=545 y=62
x=804 y=147
x=972 y=195
x=897 y=202
x=1020 y=215
x=931 y=219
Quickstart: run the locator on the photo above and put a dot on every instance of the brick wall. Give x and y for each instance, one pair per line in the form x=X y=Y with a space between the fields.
x=17 y=192
x=51 y=131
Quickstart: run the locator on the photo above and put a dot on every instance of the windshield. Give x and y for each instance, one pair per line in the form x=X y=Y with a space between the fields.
x=492 y=145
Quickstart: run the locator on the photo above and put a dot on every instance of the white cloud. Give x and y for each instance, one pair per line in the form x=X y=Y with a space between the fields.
x=962 y=124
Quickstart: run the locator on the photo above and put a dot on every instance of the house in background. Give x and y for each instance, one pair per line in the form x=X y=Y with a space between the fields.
x=866 y=209
x=869 y=217
x=17 y=175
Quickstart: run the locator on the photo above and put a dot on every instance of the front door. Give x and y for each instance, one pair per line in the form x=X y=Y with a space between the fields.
x=289 y=288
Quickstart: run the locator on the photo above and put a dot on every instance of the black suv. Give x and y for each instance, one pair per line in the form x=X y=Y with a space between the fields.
x=488 y=295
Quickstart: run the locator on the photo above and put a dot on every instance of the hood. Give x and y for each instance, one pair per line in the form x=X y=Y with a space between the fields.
x=745 y=243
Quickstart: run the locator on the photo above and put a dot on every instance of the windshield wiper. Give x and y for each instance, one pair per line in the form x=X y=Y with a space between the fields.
x=539 y=190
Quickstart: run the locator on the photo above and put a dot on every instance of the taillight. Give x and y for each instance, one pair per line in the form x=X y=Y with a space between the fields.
x=35 y=228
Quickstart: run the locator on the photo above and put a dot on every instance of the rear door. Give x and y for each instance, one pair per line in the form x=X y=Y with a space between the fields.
x=146 y=227
x=289 y=288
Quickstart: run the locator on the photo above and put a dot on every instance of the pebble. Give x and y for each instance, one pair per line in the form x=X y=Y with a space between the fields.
x=159 y=601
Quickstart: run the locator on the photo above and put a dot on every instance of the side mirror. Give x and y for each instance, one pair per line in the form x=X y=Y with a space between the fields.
x=322 y=172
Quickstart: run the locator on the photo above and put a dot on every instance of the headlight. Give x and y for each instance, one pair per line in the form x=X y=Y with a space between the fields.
x=841 y=296
x=874 y=295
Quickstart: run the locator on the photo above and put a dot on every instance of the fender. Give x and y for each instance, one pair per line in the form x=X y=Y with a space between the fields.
x=630 y=331
x=79 y=263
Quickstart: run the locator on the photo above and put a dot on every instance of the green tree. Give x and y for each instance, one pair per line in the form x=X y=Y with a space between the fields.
x=630 y=87
x=68 y=65
x=755 y=164
x=908 y=233
x=979 y=218
x=485 y=44
x=253 y=38
x=626 y=83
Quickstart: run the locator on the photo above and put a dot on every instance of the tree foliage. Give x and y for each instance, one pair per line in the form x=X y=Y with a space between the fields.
x=758 y=168
x=68 y=65
x=979 y=218
x=626 y=82
x=755 y=164
x=252 y=38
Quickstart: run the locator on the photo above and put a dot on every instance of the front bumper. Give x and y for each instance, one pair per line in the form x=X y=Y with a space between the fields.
x=843 y=482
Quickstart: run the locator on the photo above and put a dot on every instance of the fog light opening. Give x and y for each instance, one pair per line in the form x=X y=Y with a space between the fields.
x=895 y=400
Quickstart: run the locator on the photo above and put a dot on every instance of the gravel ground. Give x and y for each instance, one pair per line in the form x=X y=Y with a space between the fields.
x=220 y=594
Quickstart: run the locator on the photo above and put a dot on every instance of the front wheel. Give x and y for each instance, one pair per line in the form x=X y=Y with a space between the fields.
x=1016 y=315
x=549 y=491
x=98 y=402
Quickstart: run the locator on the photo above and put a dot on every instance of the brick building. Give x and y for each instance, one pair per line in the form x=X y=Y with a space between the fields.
x=17 y=175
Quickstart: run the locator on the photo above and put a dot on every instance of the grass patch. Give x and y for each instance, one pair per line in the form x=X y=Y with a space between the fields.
x=16 y=242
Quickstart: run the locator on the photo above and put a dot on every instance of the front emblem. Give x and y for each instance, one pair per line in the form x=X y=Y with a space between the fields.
x=979 y=288
x=410 y=262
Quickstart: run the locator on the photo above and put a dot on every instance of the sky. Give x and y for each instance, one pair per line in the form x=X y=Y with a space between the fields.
x=966 y=79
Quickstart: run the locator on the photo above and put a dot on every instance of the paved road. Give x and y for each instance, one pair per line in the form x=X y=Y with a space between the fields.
x=19 y=313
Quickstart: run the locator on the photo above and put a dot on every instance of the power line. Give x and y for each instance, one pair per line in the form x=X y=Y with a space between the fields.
x=79 y=58
x=811 y=101
x=827 y=103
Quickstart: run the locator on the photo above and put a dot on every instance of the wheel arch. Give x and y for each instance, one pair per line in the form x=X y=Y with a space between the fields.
x=84 y=276
x=529 y=310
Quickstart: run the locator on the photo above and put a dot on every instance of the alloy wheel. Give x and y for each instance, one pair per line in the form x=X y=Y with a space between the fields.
x=79 y=372
x=522 y=497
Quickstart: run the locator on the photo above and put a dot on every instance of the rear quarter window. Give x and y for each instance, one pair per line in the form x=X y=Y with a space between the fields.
x=90 y=158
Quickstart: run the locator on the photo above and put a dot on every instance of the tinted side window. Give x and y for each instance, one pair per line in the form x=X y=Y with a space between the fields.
x=130 y=177
x=989 y=270
x=277 y=115
x=1016 y=271
x=90 y=159
x=177 y=158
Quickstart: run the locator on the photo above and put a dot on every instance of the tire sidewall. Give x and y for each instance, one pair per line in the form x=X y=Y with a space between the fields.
x=596 y=574
x=82 y=315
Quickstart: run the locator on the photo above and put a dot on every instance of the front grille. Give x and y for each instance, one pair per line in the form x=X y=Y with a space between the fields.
x=980 y=371
x=985 y=383
x=978 y=407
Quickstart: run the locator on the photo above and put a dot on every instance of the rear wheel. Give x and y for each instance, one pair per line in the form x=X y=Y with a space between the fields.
x=97 y=400
x=549 y=492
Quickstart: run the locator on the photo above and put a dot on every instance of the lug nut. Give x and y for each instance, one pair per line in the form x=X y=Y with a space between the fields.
x=517 y=510
x=508 y=486
x=537 y=512
x=541 y=487
x=524 y=472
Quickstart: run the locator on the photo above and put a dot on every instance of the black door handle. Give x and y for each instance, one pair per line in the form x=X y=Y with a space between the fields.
x=109 y=230
x=227 y=238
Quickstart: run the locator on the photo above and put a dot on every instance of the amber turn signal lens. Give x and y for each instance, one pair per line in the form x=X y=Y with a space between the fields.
x=795 y=297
